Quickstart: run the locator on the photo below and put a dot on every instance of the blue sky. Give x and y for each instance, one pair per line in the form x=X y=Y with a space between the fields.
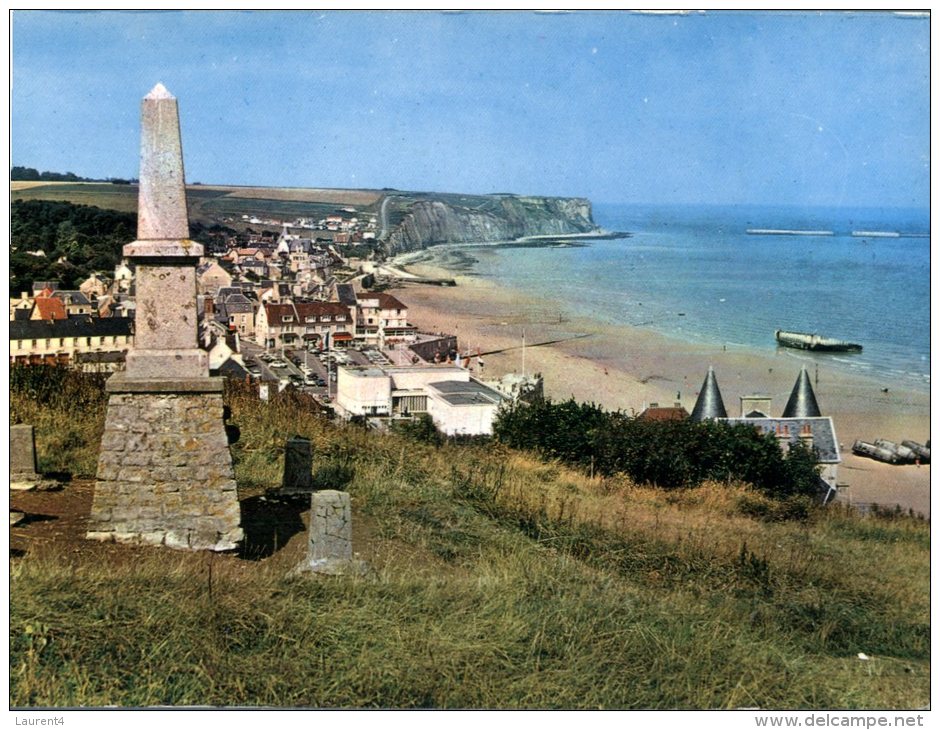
x=794 y=108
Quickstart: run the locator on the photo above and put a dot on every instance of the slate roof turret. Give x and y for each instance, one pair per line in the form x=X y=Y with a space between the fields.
x=709 y=403
x=802 y=403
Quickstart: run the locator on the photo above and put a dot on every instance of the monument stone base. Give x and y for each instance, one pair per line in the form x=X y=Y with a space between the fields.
x=165 y=473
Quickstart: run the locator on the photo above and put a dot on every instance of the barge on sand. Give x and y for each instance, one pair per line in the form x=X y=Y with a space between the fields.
x=803 y=341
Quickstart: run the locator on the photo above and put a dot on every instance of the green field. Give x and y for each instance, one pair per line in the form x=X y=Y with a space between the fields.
x=102 y=195
x=208 y=204
x=228 y=206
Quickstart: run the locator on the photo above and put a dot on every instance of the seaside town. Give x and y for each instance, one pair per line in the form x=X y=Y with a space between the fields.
x=271 y=459
x=283 y=311
x=290 y=310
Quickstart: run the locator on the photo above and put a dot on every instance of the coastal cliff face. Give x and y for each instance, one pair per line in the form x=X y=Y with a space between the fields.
x=501 y=218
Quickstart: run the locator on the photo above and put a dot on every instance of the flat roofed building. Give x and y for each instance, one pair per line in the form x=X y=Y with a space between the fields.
x=458 y=404
x=364 y=391
x=463 y=408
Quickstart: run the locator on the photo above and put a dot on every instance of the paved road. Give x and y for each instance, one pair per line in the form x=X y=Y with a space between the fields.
x=383 y=216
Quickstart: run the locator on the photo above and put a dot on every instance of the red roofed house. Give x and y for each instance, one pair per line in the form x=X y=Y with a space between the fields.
x=49 y=308
x=655 y=412
x=301 y=323
x=276 y=325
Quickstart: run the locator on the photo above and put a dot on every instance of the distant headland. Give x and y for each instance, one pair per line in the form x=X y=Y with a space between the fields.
x=391 y=221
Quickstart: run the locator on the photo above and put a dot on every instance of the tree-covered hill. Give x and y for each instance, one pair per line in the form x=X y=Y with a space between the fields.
x=75 y=240
x=60 y=241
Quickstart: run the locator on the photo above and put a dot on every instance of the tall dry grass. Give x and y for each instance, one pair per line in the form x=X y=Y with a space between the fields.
x=498 y=580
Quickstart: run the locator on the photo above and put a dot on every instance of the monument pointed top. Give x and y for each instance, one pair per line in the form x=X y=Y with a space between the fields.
x=161 y=203
x=159 y=92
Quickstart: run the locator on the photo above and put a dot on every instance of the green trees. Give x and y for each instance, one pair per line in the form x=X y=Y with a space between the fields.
x=568 y=431
x=421 y=428
x=18 y=172
x=668 y=454
x=75 y=240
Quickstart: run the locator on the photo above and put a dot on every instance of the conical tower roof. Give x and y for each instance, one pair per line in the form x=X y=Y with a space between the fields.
x=709 y=403
x=802 y=403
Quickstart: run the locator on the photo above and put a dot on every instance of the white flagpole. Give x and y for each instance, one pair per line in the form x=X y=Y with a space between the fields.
x=523 y=353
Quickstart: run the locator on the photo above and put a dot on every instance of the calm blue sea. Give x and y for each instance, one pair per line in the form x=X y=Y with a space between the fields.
x=694 y=273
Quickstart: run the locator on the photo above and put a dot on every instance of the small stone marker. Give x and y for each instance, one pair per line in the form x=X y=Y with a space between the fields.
x=298 y=466
x=23 y=474
x=329 y=546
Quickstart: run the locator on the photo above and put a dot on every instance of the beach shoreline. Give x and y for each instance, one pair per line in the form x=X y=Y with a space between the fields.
x=629 y=368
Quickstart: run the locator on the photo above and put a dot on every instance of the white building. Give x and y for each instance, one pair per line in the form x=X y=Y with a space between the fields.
x=458 y=404
x=463 y=408
x=363 y=391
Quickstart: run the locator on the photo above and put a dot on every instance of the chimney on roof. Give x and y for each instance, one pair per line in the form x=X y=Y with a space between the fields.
x=806 y=436
x=755 y=406
x=783 y=437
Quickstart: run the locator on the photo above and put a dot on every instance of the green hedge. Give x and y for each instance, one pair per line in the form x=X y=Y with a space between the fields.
x=668 y=454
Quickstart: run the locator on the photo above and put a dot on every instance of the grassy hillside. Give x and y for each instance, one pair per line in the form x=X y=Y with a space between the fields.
x=497 y=580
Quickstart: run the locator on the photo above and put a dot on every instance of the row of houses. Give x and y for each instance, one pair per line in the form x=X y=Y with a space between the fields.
x=369 y=318
x=86 y=328
x=265 y=310
x=346 y=221
x=84 y=341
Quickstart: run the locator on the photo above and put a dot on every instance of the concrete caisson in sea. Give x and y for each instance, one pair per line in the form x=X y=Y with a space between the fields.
x=815 y=343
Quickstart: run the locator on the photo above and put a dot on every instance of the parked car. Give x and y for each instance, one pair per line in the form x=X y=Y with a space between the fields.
x=278 y=364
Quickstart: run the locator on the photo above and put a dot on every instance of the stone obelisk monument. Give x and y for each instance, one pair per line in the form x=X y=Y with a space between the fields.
x=164 y=470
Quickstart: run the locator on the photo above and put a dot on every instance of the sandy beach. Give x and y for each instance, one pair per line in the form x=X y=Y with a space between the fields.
x=630 y=368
